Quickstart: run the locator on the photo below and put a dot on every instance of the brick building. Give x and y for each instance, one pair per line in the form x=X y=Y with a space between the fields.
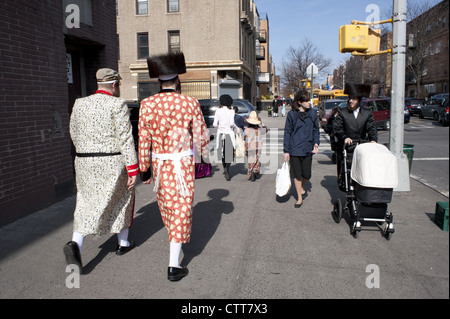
x=427 y=69
x=48 y=58
x=225 y=44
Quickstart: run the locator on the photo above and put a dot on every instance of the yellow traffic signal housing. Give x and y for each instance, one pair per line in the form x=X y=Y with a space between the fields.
x=374 y=41
x=353 y=38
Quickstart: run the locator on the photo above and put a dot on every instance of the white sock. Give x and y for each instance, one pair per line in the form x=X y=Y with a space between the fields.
x=122 y=238
x=175 y=250
x=79 y=239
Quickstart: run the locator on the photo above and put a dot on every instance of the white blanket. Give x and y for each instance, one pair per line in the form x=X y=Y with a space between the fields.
x=374 y=166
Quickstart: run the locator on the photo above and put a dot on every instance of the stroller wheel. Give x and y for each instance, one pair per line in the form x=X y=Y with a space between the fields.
x=354 y=233
x=388 y=231
x=356 y=228
x=337 y=211
x=388 y=235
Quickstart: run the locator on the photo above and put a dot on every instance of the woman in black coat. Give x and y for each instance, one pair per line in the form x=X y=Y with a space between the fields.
x=301 y=141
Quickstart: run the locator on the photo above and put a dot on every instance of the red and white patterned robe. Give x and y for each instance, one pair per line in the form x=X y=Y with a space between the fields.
x=172 y=123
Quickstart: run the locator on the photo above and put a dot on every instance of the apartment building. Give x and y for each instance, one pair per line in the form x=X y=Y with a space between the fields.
x=427 y=63
x=221 y=41
x=50 y=51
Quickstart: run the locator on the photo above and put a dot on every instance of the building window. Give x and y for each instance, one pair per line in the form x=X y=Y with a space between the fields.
x=174 y=41
x=143 y=49
x=173 y=6
x=141 y=7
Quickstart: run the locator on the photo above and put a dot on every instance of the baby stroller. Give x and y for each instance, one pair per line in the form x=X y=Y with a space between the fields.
x=369 y=185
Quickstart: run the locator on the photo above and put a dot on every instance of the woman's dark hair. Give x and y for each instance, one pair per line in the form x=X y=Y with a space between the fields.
x=301 y=96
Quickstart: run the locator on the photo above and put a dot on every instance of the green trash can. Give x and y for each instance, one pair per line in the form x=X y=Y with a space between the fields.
x=408 y=149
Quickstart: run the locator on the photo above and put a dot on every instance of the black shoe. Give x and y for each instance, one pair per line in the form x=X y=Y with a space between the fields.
x=227 y=176
x=298 y=205
x=304 y=195
x=122 y=250
x=175 y=274
x=253 y=177
x=73 y=256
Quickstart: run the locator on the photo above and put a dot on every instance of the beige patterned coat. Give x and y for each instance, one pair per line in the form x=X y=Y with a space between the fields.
x=100 y=124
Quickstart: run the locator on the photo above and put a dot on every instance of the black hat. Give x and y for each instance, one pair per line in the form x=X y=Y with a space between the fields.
x=226 y=100
x=166 y=66
x=357 y=90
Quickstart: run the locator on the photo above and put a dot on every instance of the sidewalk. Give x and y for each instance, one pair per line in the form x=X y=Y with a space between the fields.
x=245 y=244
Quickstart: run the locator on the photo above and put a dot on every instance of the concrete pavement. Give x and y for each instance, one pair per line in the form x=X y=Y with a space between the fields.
x=245 y=243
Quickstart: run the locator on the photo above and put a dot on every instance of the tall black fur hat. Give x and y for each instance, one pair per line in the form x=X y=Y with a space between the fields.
x=357 y=90
x=166 y=66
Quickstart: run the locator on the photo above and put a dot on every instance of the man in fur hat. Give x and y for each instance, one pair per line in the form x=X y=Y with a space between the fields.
x=106 y=166
x=171 y=131
x=354 y=122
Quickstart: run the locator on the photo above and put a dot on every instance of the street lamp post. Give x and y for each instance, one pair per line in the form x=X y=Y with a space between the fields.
x=396 y=135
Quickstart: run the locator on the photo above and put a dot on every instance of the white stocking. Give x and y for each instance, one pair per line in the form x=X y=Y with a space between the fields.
x=79 y=239
x=175 y=250
x=122 y=238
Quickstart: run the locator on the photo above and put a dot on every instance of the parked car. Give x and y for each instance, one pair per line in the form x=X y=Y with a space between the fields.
x=414 y=105
x=407 y=114
x=210 y=106
x=326 y=106
x=433 y=106
x=381 y=110
x=443 y=115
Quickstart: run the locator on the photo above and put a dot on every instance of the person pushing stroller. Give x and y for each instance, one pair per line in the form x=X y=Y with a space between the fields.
x=352 y=124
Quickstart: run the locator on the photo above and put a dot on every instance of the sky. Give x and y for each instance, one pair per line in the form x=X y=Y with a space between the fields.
x=293 y=21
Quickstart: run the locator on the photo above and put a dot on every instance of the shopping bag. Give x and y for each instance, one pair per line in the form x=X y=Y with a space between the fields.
x=202 y=170
x=240 y=146
x=283 y=180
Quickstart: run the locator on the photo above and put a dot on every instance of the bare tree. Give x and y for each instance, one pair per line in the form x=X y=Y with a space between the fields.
x=295 y=62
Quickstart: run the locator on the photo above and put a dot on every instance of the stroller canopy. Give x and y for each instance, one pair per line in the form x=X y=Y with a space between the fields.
x=374 y=166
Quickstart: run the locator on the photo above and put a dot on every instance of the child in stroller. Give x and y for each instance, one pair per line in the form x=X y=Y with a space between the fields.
x=368 y=183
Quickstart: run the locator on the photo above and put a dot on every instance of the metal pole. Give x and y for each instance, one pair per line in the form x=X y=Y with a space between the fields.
x=312 y=86
x=398 y=94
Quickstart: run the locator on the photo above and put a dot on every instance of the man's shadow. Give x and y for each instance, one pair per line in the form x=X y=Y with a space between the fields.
x=206 y=219
x=147 y=223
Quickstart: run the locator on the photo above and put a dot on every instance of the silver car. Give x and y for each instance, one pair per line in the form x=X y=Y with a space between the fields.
x=433 y=106
x=210 y=106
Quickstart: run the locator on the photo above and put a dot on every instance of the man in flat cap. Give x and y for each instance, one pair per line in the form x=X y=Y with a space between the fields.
x=171 y=131
x=106 y=166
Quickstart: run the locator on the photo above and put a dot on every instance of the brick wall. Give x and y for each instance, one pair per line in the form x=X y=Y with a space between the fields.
x=36 y=166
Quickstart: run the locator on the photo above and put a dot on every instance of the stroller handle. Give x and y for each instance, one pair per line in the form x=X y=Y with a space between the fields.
x=356 y=142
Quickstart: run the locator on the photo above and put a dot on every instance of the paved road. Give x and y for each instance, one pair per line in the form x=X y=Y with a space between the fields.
x=246 y=243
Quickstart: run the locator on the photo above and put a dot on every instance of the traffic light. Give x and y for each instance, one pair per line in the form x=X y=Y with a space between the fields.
x=374 y=41
x=359 y=39
x=353 y=38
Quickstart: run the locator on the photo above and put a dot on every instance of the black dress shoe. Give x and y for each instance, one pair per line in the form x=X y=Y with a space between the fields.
x=304 y=195
x=121 y=250
x=73 y=256
x=298 y=205
x=227 y=176
x=175 y=274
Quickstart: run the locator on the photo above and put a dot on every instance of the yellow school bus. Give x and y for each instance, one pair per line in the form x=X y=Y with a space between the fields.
x=332 y=94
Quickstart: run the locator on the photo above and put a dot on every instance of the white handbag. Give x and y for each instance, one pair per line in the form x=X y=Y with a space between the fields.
x=240 y=146
x=283 y=180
